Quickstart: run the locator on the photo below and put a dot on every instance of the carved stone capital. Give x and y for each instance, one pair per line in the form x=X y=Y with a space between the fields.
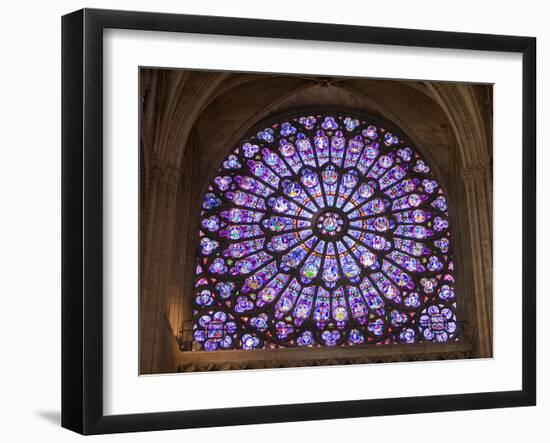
x=163 y=172
x=476 y=172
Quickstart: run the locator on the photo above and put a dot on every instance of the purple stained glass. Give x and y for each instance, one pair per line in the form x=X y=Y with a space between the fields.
x=324 y=230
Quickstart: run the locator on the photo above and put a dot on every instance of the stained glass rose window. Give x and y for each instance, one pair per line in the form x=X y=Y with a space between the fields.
x=323 y=230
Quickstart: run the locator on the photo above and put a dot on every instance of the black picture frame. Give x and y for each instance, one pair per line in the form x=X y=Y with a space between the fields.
x=82 y=220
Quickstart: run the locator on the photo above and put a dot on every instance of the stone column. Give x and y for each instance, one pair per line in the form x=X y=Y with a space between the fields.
x=478 y=185
x=184 y=259
x=157 y=250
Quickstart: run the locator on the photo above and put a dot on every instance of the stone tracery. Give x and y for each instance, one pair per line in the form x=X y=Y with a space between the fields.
x=323 y=230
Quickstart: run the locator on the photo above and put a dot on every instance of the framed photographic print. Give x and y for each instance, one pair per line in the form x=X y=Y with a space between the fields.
x=271 y=221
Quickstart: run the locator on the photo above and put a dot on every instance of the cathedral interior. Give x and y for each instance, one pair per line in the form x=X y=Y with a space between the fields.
x=191 y=124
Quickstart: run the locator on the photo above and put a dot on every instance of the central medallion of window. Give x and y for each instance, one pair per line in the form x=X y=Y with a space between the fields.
x=323 y=230
x=331 y=224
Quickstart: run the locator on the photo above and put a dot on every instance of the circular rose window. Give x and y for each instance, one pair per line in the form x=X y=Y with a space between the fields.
x=323 y=230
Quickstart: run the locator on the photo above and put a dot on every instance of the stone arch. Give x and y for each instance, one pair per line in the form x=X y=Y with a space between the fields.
x=474 y=139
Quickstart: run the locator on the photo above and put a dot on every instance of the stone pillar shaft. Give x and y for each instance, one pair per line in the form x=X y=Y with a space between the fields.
x=478 y=183
x=158 y=243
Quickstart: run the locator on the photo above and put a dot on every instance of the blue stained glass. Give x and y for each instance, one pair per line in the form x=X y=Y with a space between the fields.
x=323 y=230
